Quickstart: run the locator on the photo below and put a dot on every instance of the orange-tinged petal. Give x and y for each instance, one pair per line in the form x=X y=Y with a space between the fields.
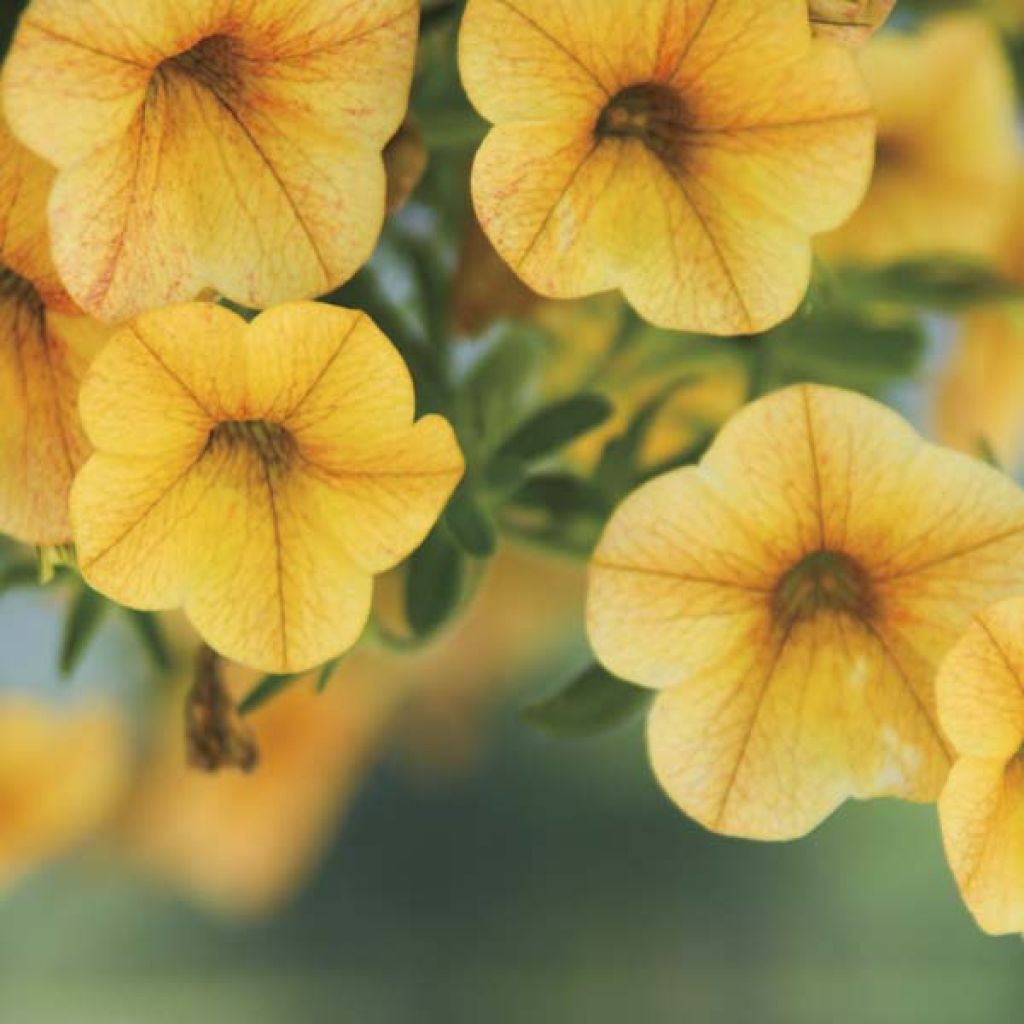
x=221 y=127
x=42 y=358
x=793 y=595
x=277 y=469
x=982 y=814
x=684 y=154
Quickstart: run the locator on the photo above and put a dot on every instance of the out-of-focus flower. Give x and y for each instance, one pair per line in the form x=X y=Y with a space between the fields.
x=528 y=612
x=683 y=153
x=792 y=596
x=45 y=345
x=269 y=472
x=243 y=843
x=849 y=21
x=696 y=390
x=980 y=397
x=981 y=707
x=214 y=143
x=62 y=772
x=947 y=152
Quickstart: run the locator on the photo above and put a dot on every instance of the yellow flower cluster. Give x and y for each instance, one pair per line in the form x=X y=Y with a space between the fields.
x=792 y=598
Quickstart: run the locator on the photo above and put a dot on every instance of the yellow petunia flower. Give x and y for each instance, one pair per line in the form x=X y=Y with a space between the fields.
x=61 y=775
x=791 y=597
x=947 y=153
x=849 y=21
x=981 y=707
x=229 y=144
x=45 y=345
x=259 y=476
x=243 y=843
x=684 y=153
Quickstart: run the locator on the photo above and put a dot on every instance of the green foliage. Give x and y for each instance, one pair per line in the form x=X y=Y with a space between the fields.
x=471 y=525
x=593 y=703
x=555 y=426
x=84 y=618
x=266 y=689
x=434 y=582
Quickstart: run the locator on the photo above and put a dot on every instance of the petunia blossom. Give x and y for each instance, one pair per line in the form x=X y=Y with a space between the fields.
x=258 y=475
x=225 y=144
x=791 y=597
x=683 y=153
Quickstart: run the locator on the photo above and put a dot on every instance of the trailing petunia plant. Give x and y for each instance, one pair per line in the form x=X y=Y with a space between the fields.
x=310 y=312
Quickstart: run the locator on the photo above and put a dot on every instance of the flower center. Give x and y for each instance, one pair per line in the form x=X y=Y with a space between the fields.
x=651 y=113
x=20 y=289
x=823 y=581
x=213 y=62
x=269 y=441
x=892 y=151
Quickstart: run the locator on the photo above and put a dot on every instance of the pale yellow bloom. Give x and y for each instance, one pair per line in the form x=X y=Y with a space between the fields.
x=791 y=597
x=62 y=773
x=684 y=153
x=947 y=153
x=232 y=144
x=257 y=475
x=981 y=706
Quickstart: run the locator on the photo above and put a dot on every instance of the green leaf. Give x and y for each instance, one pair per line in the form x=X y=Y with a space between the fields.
x=84 y=618
x=561 y=496
x=266 y=689
x=555 y=426
x=147 y=629
x=20 y=574
x=947 y=284
x=326 y=673
x=433 y=586
x=470 y=524
x=593 y=703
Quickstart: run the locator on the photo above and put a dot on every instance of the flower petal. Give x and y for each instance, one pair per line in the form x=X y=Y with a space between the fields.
x=788 y=725
x=982 y=813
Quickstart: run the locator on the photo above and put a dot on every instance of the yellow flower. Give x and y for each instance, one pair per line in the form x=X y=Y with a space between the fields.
x=947 y=151
x=219 y=143
x=684 y=153
x=61 y=775
x=981 y=706
x=45 y=345
x=849 y=21
x=242 y=844
x=259 y=476
x=792 y=596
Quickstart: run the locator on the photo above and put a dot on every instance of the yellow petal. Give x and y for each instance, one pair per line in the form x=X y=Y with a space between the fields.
x=982 y=813
x=183 y=139
x=849 y=21
x=747 y=141
x=980 y=688
x=794 y=595
x=274 y=470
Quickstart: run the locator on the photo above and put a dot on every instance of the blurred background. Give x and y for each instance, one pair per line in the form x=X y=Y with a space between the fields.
x=412 y=852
